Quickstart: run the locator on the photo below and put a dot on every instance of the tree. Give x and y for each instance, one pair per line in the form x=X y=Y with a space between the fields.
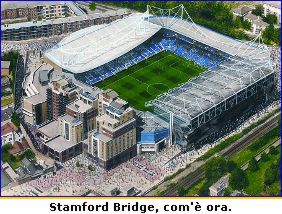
x=273 y=151
x=231 y=165
x=181 y=191
x=15 y=119
x=253 y=165
x=238 y=179
x=270 y=19
x=91 y=168
x=215 y=168
x=92 y=6
x=258 y=11
x=28 y=153
x=264 y=157
x=272 y=174
x=77 y=164
x=246 y=25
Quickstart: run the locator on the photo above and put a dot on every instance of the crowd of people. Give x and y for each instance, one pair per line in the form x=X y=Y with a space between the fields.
x=36 y=45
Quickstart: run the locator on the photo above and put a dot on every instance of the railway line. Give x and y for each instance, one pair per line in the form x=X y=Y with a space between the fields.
x=193 y=177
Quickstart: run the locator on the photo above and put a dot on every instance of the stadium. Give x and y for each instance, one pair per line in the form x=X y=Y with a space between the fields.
x=161 y=61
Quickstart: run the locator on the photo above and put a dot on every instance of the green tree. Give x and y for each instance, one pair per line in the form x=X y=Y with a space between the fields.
x=231 y=165
x=273 y=151
x=215 y=168
x=238 y=179
x=77 y=164
x=92 y=6
x=253 y=165
x=258 y=10
x=246 y=25
x=270 y=19
x=91 y=168
x=272 y=174
x=28 y=153
x=264 y=157
x=181 y=191
x=15 y=119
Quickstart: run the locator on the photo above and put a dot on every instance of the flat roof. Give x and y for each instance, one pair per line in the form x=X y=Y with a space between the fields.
x=97 y=45
x=103 y=137
x=5 y=64
x=5 y=5
x=50 y=129
x=79 y=106
x=63 y=20
x=59 y=144
x=71 y=119
x=37 y=98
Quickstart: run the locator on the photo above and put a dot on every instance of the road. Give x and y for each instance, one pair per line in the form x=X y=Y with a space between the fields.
x=6 y=112
x=239 y=145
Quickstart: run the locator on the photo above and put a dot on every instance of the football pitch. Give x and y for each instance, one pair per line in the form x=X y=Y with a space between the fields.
x=154 y=76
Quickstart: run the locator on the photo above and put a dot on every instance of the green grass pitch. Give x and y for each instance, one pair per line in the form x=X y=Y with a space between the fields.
x=156 y=75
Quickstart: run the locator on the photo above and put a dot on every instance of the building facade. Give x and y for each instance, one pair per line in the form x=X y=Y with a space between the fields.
x=60 y=93
x=35 y=10
x=47 y=28
x=114 y=139
x=35 y=109
x=273 y=8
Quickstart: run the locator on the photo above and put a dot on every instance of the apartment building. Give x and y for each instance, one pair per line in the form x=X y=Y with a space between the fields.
x=34 y=9
x=47 y=28
x=60 y=93
x=35 y=109
x=114 y=139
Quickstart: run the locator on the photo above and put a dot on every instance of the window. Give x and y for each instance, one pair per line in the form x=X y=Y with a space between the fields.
x=67 y=131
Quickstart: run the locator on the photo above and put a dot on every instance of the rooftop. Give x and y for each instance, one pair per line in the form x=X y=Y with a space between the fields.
x=242 y=10
x=37 y=98
x=252 y=17
x=111 y=93
x=59 y=144
x=8 y=128
x=103 y=137
x=5 y=64
x=27 y=4
x=63 y=20
x=71 y=120
x=79 y=106
x=50 y=129
x=95 y=46
x=19 y=147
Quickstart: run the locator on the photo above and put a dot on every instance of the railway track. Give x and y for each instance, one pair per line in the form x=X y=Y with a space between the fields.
x=199 y=173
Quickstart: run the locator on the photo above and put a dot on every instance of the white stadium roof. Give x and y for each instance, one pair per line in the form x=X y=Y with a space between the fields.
x=94 y=46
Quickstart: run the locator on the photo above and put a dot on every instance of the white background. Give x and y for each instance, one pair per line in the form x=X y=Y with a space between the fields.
x=237 y=205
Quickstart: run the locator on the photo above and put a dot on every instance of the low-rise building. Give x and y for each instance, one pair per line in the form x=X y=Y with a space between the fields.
x=242 y=11
x=153 y=133
x=257 y=24
x=5 y=65
x=273 y=8
x=64 y=144
x=217 y=189
x=5 y=83
x=10 y=134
